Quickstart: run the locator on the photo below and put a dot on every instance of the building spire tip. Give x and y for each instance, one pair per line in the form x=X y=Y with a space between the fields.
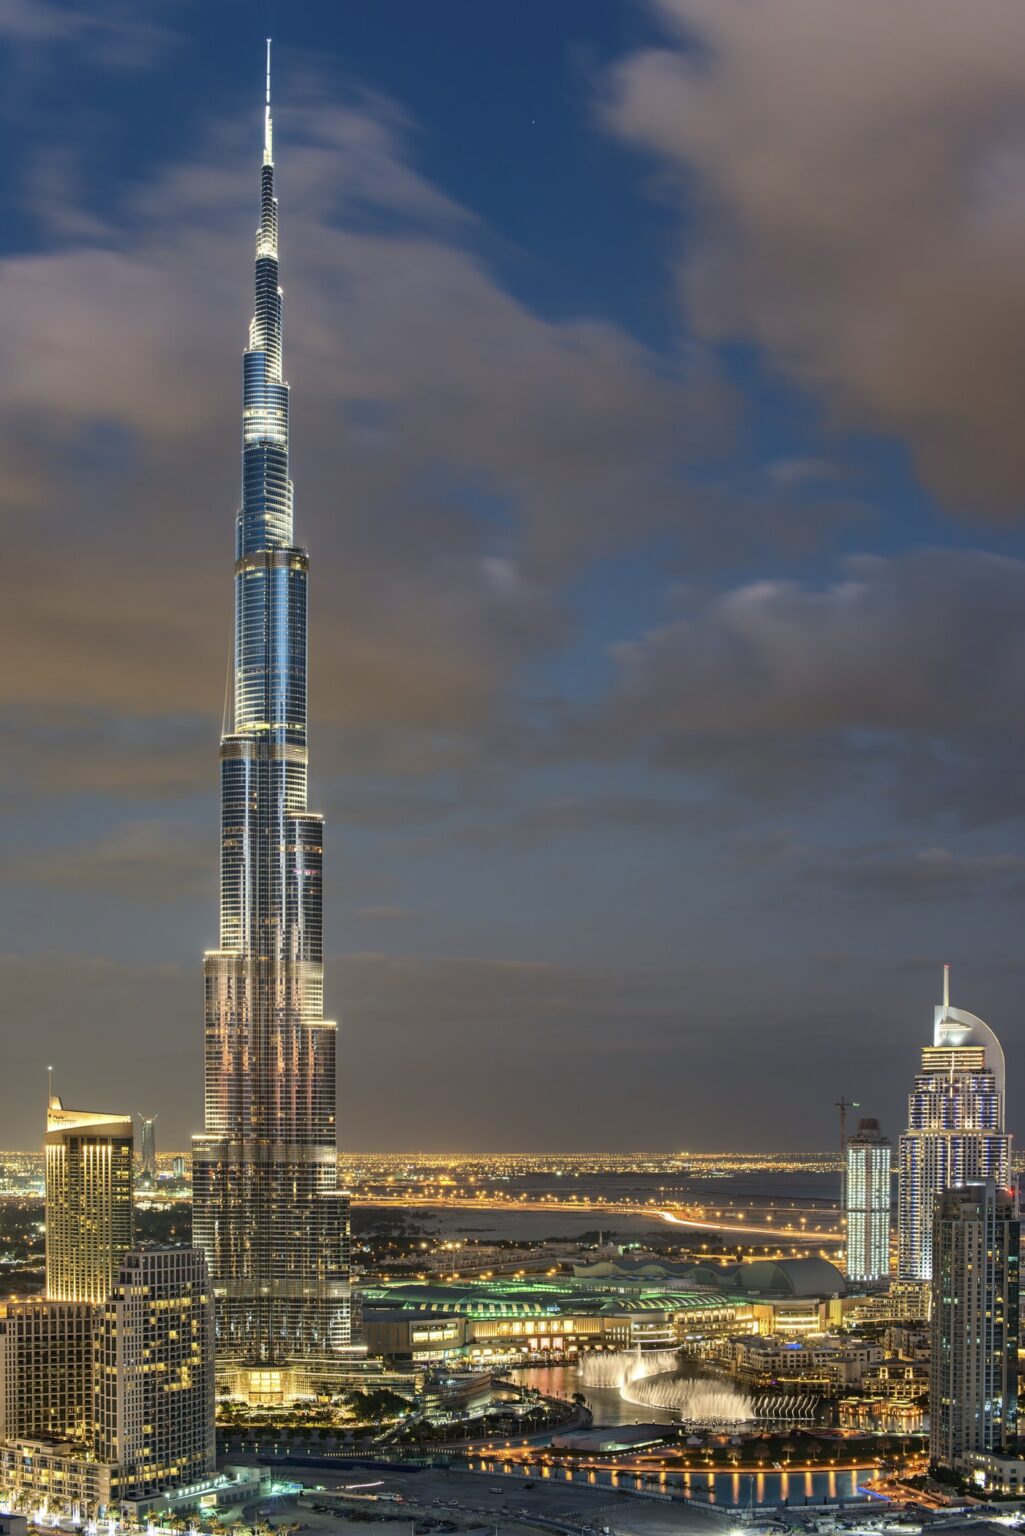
x=267 y=130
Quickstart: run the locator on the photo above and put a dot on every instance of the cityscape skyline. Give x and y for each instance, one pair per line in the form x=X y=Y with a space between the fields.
x=522 y=570
x=671 y=639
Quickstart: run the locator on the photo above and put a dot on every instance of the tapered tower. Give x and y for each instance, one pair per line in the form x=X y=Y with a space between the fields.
x=267 y=1209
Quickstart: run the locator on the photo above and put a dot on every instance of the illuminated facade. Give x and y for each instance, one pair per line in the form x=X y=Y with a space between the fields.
x=867 y=1204
x=973 y=1394
x=268 y=1212
x=148 y=1149
x=106 y=1407
x=553 y=1319
x=46 y=1369
x=88 y=1201
x=153 y=1372
x=955 y=1128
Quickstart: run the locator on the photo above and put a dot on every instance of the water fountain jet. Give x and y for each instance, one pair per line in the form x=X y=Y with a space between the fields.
x=649 y=1380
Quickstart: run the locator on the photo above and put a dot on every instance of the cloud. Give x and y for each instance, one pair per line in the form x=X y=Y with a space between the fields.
x=456 y=454
x=150 y=860
x=554 y=816
x=112 y=34
x=854 y=183
x=880 y=870
x=916 y=657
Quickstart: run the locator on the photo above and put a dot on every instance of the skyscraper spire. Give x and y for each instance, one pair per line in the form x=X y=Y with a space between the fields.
x=268 y=127
x=267 y=1209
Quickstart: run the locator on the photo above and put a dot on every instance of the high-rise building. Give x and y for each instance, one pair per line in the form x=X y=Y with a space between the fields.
x=153 y=1374
x=955 y=1127
x=132 y=1416
x=178 y=1167
x=268 y=1212
x=867 y=1203
x=148 y=1149
x=46 y=1369
x=973 y=1400
x=88 y=1201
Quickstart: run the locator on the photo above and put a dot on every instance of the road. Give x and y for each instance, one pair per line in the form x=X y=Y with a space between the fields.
x=703 y=1222
x=750 y=1228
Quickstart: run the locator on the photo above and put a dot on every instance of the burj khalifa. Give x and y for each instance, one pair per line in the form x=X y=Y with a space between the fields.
x=267 y=1209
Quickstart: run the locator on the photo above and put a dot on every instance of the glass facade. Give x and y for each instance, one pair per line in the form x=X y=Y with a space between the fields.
x=955 y=1130
x=267 y=1209
x=88 y=1201
x=973 y=1388
x=867 y=1204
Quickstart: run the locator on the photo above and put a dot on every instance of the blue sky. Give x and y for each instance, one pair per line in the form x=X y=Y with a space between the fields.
x=656 y=379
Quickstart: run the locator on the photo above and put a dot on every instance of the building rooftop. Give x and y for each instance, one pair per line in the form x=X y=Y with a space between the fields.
x=533 y=1298
x=783 y=1278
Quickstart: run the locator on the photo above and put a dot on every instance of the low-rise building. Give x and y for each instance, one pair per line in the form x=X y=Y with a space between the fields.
x=883 y=1415
x=825 y=1363
x=996 y=1474
x=494 y=1322
x=402 y=1335
x=906 y=1341
x=902 y=1301
x=898 y=1380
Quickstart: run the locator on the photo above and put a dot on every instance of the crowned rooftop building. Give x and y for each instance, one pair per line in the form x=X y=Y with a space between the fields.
x=88 y=1201
x=267 y=1209
x=955 y=1129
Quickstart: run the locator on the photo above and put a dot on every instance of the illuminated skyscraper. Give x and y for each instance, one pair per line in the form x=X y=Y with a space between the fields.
x=267 y=1209
x=973 y=1396
x=100 y=1404
x=867 y=1203
x=88 y=1201
x=955 y=1127
x=153 y=1372
x=148 y=1149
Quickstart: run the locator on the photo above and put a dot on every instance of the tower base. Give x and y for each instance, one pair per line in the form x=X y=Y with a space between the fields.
x=266 y=1386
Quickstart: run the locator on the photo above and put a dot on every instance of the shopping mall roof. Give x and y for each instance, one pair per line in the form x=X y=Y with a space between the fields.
x=533 y=1298
x=772 y=1278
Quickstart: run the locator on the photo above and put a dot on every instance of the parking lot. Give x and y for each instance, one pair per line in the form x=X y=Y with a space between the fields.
x=437 y=1500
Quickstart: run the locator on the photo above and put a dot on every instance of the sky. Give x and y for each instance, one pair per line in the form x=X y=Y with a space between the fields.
x=657 y=371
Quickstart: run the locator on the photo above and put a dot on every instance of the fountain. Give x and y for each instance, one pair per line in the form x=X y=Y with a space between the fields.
x=696 y=1401
x=617 y=1371
x=649 y=1380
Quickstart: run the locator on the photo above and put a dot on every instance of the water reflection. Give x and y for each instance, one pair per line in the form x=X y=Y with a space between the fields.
x=731 y=1489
